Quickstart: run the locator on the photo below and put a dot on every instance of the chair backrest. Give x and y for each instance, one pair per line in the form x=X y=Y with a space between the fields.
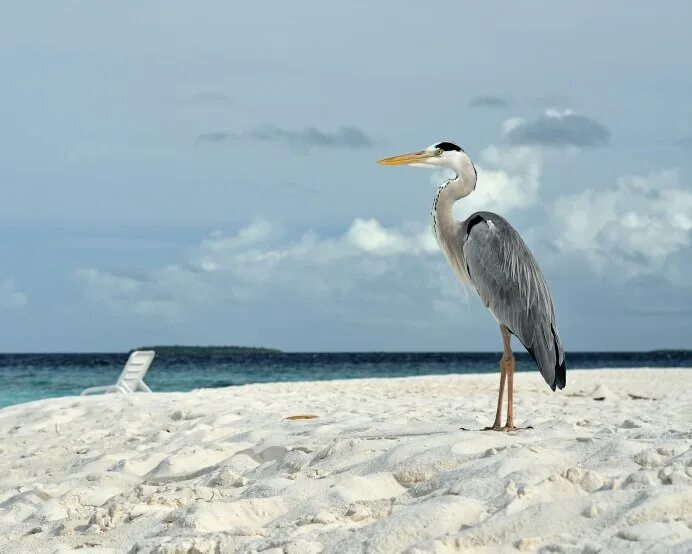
x=136 y=368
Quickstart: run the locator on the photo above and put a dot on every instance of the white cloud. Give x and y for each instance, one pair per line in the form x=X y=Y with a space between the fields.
x=369 y=262
x=368 y=235
x=631 y=229
x=125 y=294
x=117 y=284
x=510 y=124
x=557 y=113
x=10 y=295
x=313 y=264
x=512 y=184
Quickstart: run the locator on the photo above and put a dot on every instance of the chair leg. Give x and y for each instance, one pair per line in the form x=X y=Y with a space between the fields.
x=93 y=390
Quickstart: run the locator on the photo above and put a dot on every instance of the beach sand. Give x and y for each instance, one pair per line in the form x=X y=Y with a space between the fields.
x=384 y=468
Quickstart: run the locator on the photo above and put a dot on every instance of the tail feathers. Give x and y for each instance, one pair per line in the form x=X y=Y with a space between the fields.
x=560 y=367
x=551 y=361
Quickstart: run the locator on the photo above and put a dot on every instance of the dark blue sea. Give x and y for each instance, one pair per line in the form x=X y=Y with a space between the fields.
x=25 y=377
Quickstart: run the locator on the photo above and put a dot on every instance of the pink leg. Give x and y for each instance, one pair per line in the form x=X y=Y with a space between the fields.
x=498 y=414
x=506 y=339
x=506 y=363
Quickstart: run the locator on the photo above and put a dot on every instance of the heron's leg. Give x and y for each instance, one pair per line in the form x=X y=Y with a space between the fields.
x=509 y=357
x=503 y=374
x=498 y=414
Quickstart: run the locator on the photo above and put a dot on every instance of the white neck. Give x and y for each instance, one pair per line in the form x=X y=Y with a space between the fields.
x=451 y=191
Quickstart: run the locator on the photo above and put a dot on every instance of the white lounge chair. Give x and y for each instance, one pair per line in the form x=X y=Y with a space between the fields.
x=132 y=377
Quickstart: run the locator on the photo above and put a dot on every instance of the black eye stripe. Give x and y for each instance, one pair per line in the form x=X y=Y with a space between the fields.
x=447 y=146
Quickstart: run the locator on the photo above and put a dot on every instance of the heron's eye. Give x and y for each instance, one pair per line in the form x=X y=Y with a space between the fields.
x=438 y=151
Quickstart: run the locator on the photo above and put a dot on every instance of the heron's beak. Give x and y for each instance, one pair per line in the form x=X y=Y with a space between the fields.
x=407 y=159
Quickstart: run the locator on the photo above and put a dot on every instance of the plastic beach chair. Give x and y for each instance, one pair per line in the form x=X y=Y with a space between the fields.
x=132 y=377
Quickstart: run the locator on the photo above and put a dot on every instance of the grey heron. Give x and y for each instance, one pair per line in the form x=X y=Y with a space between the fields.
x=486 y=253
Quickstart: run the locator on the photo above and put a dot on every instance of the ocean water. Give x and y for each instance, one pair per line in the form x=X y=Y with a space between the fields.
x=26 y=377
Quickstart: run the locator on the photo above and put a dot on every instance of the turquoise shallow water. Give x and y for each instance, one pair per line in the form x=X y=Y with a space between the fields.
x=27 y=377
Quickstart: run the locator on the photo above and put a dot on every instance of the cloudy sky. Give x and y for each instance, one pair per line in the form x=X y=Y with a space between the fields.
x=205 y=174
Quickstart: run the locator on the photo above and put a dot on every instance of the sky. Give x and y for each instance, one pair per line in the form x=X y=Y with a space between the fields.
x=178 y=173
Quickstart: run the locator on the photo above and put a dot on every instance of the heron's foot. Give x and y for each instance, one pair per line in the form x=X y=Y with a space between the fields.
x=507 y=428
x=495 y=427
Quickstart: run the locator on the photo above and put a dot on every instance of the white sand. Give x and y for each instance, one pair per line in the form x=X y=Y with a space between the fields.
x=385 y=468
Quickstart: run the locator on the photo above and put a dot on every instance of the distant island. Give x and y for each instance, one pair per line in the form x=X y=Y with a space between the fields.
x=209 y=350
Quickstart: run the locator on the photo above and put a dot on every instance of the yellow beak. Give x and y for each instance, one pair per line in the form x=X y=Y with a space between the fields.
x=407 y=159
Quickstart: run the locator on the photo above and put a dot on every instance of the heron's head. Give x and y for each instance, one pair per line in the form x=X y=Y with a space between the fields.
x=441 y=154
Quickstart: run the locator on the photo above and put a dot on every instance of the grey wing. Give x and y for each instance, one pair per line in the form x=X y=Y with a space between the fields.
x=512 y=286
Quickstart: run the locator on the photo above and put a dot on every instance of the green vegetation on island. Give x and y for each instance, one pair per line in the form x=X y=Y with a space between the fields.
x=178 y=350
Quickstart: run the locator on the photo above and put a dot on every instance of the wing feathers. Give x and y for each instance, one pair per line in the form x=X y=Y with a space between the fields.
x=512 y=286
